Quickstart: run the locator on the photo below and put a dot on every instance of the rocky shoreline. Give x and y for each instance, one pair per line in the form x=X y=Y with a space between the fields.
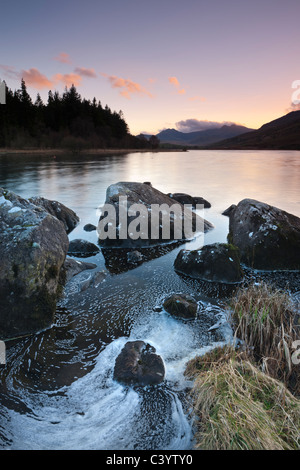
x=37 y=259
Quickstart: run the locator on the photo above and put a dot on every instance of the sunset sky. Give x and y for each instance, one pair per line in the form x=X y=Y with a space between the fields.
x=164 y=63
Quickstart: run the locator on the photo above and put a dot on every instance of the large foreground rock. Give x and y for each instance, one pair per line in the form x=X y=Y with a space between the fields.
x=33 y=247
x=68 y=218
x=268 y=238
x=137 y=364
x=122 y=196
x=218 y=262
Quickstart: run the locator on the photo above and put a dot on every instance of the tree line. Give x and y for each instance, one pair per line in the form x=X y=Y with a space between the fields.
x=65 y=121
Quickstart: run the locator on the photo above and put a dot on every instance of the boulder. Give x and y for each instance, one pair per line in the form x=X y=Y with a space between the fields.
x=181 y=306
x=67 y=217
x=82 y=248
x=218 y=262
x=150 y=230
x=268 y=238
x=33 y=248
x=138 y=364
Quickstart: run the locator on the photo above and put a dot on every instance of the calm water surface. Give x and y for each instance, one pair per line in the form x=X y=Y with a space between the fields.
x=57 y=390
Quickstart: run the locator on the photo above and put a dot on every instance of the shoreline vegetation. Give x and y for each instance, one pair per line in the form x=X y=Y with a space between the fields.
x=246 y=397
x=99 y=151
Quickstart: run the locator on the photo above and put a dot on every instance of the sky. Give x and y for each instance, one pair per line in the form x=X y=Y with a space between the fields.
x=165 y=63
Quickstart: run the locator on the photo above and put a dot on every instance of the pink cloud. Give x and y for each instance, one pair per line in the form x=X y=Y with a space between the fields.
x=63 y=58
x=127 y=87
x=34 y=78
x=68 y=79
x=174 y=81
x=85 y=72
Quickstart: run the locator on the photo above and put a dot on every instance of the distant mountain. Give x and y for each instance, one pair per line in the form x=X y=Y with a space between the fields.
x=280 y=134
x=200 y=138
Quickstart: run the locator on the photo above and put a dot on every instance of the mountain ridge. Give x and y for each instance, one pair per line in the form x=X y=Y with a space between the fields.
x=282 y=133
x=200 y=138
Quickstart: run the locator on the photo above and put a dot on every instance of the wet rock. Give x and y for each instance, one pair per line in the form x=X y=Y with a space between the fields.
x=181 y=305
x=33 y=248
x=73 y=267
x=89 y=228
x=139 y=364
x=122 y=196
x=268 y=238
x=134 y=257
x=82 y=248
x=218 y=262
x=68 y=217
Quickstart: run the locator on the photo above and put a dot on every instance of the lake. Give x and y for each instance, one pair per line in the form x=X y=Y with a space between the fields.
x=57 y=390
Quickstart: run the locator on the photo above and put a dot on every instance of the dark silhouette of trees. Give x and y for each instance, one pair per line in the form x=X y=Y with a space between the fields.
x=65 y=121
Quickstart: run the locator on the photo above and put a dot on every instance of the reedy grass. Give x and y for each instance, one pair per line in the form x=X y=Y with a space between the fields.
x=238 y=407
x=240 y=397
x=264 y=319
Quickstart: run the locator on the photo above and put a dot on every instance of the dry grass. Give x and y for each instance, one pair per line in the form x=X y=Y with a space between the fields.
x=238 y=407
x=264 y=319
x=249 y=398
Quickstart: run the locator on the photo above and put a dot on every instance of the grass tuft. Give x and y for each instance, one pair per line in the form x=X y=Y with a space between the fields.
x=248 y=398
x=264 y=318
x=238 y=407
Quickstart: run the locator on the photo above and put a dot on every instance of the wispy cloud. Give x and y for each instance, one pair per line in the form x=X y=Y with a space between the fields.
x=35 y=79
x=9 y=71
x=174 y=81
x=127 y=87
x=197 y=98
x=67 y=79
x=293 y=107
x=63 y=58
x=90 y=73
x=193 y=125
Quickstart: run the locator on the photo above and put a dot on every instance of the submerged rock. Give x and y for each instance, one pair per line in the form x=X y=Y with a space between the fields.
x=150 y=230
x=68 y=217
x=181 y=306
x=268 y=238
x=73 y=267
x=138 y=364
x=94 y=280
x=33 y=248
x=89 y=228
x=218 y=262
x=134 y=257
x=82 y=248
